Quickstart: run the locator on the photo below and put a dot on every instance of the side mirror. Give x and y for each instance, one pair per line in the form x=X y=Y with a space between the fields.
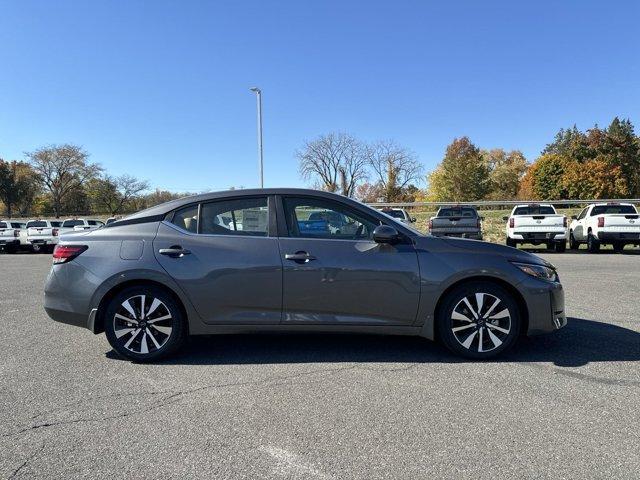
x=386 y=234
x=505 y=218
x=574 y=217
x=413 y=219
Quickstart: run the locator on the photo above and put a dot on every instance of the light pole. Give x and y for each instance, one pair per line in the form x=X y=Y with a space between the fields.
x=258 y=93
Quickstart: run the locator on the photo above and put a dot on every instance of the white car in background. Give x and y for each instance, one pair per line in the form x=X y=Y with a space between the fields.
x=43 y=235
x=78 y=225
x=613 y=223
x=399 y=214
x=13 y=236
x=537 y=224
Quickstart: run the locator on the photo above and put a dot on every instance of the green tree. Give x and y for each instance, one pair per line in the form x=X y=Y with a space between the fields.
x=463 y=174
x=547 y=177
x=18 y=186
x=506 y=169
x=114 y=194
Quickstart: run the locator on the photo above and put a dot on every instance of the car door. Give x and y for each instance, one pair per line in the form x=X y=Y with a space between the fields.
x=334 y=273
x=579 y=229
x=225 y=257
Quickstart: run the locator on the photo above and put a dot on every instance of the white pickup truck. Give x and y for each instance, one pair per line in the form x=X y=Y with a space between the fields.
x=13 y=236
x=537 y=224
x=616 y=224
x=79 y=224
x=42 y=235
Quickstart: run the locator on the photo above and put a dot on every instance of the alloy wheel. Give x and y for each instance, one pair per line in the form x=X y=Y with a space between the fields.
x=481 y=322
x=142 y=324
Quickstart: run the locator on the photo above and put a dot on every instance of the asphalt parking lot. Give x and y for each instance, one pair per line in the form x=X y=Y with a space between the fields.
x=328 y=406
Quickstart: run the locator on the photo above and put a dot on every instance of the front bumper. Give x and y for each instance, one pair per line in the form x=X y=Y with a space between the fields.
x=545 y=305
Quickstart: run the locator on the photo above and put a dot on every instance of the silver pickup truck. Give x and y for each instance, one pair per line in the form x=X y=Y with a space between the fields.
x=457 y=221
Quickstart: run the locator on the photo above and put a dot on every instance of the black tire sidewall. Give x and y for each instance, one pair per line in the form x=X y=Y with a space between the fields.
x=443 y=320
x=178 y=333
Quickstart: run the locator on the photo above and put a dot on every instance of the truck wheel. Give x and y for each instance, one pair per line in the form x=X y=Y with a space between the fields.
x=561 y=247
x=593 y=245
x=573 y=244
x=36 y=248
x=511 y=243
x=618 y=247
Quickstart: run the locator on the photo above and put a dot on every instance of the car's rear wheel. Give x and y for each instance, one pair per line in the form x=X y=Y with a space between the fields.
x=479 y=320
x=561 y=247
x=593 y=245
x=144 y=324
x=573 y=244
x=618 y=247
x=511 y=243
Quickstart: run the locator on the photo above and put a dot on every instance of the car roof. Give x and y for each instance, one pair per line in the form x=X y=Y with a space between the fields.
x=167 y=207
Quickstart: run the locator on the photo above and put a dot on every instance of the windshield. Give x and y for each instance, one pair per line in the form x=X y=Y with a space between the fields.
x=535 y=210
x=613 y=209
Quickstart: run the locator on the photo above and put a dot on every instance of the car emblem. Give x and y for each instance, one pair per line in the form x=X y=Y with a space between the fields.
x=538 y=221
x=632 y=221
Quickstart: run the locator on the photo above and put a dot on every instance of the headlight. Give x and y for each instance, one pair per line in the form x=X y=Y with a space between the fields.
x=538 y=271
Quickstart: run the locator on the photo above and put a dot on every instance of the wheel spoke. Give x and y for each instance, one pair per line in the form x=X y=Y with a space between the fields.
x=469 y=340
x=492 y=308
x=165 y=317
x=458 y=316
x=480 y=302
x=165 y=330
x=126 y=319
x=127 y=305
x=480 y=339
x=133 y=335
x=496 y=341
x=473 y=312
x=155 y=304
x=142 y=299
x=464 y=327
x=144 y=348
x=124 y=331
x=153 y=339
x=496 y=327
x=503 y=314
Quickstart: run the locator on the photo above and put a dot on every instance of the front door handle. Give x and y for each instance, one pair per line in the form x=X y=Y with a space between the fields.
x=175 y=251
x=299 y=257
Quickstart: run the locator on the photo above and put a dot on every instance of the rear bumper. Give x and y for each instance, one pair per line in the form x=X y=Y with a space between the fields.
x=538 y=236
x=42 y=241
x=627 y=237
x=9 y=243
x=67 y=295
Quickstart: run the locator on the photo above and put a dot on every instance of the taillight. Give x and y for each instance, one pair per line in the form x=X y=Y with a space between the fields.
x=600 y=222
x=430 y=224
x=512 y=222
x=564 y=222
x=66 y=253
x=54 y=232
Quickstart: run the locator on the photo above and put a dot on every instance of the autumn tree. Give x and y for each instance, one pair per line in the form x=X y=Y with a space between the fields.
x=336 y=160
x=62 y=169
x=112 y=194
x=506 y=169
x=395 y=168
x=463 y=174
x=18 y=186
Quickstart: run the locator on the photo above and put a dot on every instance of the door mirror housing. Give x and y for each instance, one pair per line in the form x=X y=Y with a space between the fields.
x=386 y=234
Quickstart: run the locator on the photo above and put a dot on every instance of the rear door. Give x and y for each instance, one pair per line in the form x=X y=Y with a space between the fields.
x=334 y=273
x=225 y=257
x=579 y=230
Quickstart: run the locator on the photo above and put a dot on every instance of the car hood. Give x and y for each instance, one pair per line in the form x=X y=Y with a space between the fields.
x=486 y=248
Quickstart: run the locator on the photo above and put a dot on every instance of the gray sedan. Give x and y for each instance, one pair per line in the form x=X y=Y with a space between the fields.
x=293 y=260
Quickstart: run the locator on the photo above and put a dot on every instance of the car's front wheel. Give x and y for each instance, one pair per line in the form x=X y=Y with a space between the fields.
x=144 y=324
x=478 y=320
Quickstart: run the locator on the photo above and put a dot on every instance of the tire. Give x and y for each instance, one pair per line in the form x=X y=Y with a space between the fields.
x=12 y=249
x=488 y=336
x=36 y=248
x=551 y=246
x=573 y=244
x=561 y=247
x=593 y=245
x=618 y=247
x=511 y=243
x=157 y=339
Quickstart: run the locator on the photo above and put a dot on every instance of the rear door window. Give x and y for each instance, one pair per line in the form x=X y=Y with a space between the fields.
x=241 y=216
x=186 y=218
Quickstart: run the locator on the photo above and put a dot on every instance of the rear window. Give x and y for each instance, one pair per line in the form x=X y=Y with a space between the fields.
x=605 y=209
x=394 y=213
x=36 y=224
x=535 y=210
x=457 y=212
x=56 y=224
x=72 y=223
x=3 y=225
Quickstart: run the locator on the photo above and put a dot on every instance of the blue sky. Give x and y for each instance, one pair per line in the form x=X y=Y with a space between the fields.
x=160 y=89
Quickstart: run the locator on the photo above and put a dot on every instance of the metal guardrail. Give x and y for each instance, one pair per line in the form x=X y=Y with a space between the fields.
x=500 y=203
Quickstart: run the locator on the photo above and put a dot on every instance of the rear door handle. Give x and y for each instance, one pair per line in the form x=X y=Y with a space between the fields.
x=176 y=251
x=299 y=257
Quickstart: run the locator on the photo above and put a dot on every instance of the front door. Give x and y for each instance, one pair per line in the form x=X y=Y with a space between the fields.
x=224 y=257
x=334 y=273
